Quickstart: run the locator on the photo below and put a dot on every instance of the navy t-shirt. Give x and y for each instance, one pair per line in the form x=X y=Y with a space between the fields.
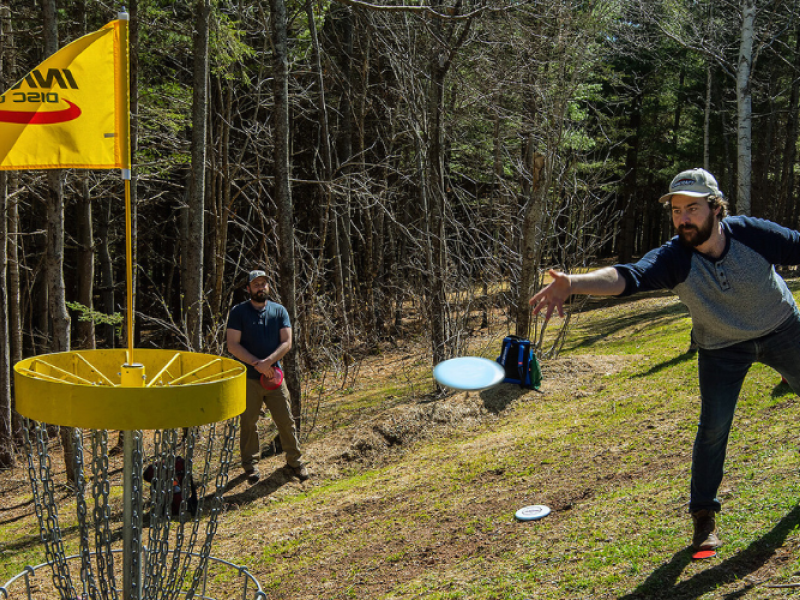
x=261 y=329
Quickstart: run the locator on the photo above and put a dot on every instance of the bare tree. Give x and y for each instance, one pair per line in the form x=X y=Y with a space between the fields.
x=57 y=307
x=6 y=421
x=283 y=190
x=744 y=102
x=6 y=430
x=195 y=228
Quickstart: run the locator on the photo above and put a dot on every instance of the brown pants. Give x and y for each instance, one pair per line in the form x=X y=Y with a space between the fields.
x=278 y=402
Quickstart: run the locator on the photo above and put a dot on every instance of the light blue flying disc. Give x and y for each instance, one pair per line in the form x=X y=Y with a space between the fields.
x=469 y=373
x=533 y=512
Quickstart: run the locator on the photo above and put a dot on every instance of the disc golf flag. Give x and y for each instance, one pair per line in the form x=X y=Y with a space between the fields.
x=72 y=111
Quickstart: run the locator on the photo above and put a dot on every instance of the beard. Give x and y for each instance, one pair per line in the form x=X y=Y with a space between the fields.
x=259 y=296
x=692 y=236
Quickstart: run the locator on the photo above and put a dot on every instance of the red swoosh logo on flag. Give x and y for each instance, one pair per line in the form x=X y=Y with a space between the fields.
x=41 y=118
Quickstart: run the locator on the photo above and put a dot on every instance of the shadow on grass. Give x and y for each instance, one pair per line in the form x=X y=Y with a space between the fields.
x=21 y=515
x=782 y=389
x=595 y=302
x=662 y=582
x=497 y=399
x=672 y=362
x=265 y=487
x=613 y=325
x=29 y=542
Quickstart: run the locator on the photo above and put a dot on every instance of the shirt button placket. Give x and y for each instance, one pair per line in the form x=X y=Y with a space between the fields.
x=722 y=278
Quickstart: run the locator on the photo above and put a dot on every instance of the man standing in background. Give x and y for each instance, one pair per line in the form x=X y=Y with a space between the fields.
x=259 y=334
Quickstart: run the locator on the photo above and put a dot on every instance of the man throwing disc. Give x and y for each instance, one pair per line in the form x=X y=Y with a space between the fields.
x=722 y=269
x=259 y=334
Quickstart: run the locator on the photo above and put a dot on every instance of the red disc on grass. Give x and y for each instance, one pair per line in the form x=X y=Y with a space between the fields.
x=704 y=554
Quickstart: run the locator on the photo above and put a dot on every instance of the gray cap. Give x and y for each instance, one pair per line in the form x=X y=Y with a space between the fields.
x=697 y=183
x=255 y=275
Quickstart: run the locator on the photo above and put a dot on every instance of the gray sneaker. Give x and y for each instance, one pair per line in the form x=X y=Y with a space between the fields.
x=253 y=474
x=705 y=530
x=300 y=471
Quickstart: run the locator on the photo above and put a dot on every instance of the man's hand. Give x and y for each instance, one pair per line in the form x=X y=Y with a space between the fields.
x=603 y=282
x=553 y=296
x=266 y=369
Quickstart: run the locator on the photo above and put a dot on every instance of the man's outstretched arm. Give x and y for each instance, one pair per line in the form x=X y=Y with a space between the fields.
x=603 y=282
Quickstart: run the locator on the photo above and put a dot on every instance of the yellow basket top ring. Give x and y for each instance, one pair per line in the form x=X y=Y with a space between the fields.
x=96 y=389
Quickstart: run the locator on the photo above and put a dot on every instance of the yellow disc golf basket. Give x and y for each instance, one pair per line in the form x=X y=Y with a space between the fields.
x=179 y=427
x=178 y=412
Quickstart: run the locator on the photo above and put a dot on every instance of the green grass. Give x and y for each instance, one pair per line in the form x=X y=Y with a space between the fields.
x=607 y=446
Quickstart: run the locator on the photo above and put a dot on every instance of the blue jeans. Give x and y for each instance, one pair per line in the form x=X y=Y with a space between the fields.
x=722 y=373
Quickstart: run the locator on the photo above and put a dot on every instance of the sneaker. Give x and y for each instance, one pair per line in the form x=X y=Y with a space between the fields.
x=300 y=471
x=705 y=530
x=253 y=475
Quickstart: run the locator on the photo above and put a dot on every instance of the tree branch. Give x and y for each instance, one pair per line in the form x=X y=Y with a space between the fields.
x=419 y=9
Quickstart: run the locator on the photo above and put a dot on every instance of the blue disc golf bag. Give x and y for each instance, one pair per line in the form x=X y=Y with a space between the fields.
x=520 y=363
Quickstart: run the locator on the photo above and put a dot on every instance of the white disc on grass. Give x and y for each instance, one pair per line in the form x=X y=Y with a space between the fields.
x=532 y=513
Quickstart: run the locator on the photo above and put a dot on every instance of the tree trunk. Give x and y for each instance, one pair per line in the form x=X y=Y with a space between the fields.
x=6 y=426
x=54 y=261
x=283 y=192
x=438 y=313
x=345 y=152
x=223 y=195
x=54 y=266
x=371 y=213
x=327 y=166
x=680 y=100
x=193 y=251
x=707 y=120
x=85 y=271
x=532 y=236
x=60 y=319
x=627 y=236
x=6 y=412
x=13 y=298
x=744 y=102
x=494 y=209
x=447 y=41
x=790 y=147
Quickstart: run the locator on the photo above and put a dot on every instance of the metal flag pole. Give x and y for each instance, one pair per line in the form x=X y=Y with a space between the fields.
x=132 y=374
x=124 y=114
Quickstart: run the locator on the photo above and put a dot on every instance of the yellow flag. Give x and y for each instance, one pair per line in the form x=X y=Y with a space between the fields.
x=72 y=111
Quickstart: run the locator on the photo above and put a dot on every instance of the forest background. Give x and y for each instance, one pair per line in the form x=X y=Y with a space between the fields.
x=399 y=168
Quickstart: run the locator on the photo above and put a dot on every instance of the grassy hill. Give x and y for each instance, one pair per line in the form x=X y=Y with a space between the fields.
x=413 y=496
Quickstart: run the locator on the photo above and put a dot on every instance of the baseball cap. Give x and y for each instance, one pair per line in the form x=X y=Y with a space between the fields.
x=697 y=183
x=255 y=275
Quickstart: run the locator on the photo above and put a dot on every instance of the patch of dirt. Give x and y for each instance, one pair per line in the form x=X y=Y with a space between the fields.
x=402 y=425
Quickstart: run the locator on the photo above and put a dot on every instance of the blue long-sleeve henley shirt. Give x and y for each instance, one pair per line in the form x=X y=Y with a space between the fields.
x=733 y=298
